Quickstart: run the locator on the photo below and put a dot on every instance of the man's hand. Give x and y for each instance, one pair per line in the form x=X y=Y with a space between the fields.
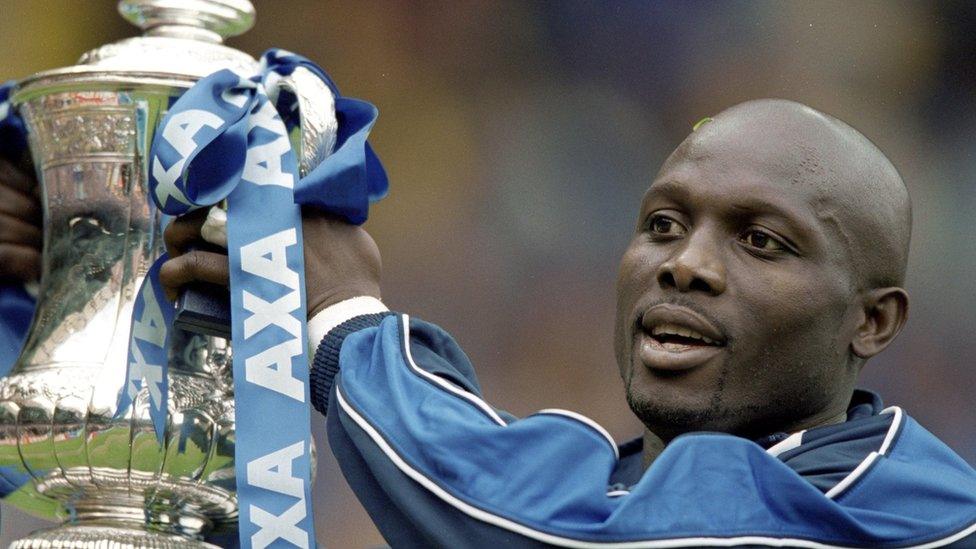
x=20 y=224
x=341 y=260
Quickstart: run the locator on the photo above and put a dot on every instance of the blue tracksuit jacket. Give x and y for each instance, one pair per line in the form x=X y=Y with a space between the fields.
x=436 y=466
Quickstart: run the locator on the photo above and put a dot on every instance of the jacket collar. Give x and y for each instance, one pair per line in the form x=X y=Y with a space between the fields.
x=823 y=455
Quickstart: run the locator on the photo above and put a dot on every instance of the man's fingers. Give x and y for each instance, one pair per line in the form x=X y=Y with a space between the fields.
x=17 y=193
x=19 y=262
x=184 y=232
x=195 y=265
x=20 y=205
x=17 y=178
x=20 y=219
x=16 y=231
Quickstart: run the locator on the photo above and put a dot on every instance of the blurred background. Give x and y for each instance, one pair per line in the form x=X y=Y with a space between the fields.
x=520 y=136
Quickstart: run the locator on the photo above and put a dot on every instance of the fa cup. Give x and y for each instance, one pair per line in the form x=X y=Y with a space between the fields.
x=107 y=479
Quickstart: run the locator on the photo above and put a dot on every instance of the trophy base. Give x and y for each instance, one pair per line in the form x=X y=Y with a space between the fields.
x=97 y=536
x=122 y=523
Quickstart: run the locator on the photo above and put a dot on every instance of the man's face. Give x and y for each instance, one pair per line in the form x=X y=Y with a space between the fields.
x=735 y=306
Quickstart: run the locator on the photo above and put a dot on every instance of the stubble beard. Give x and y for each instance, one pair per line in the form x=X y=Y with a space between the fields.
x=668 y=422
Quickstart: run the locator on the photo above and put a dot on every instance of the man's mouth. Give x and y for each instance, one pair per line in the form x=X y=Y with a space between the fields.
x=676 y=338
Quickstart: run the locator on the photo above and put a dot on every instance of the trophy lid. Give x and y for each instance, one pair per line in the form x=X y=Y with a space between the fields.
x=181 y=43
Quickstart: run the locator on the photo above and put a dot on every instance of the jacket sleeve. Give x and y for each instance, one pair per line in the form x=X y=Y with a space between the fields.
x=436 y=466
x=16 y=311
x=406 y=513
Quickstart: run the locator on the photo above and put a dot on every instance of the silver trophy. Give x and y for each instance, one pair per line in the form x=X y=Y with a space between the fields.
x=106 y=480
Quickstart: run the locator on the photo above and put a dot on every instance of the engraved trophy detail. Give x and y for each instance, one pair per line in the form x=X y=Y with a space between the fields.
x=108 y=480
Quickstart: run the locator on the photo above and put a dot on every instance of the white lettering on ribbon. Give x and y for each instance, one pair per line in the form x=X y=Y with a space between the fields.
x=274 y=472
x=267 y=258
x=277 y=312
x=263 y=163
x=235 y=94
x=179 y=133
x=150 y=328
x=234 y=97
x=271 y=368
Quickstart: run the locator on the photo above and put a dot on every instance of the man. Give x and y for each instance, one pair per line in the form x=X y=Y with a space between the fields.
x=765 y=270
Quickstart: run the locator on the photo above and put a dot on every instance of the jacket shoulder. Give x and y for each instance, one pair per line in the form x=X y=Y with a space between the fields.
x=916 y=477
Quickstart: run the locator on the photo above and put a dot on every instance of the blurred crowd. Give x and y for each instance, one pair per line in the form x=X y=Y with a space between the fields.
x=520 y=136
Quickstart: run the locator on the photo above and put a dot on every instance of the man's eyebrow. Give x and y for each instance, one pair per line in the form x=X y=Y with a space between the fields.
x=666 y=189
x=751 y=204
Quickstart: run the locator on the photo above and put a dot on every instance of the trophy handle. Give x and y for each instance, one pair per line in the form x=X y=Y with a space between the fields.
x=205 y=308
x=313 y=130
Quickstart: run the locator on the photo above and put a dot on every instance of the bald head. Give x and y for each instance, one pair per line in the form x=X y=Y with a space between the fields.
x=854 y=189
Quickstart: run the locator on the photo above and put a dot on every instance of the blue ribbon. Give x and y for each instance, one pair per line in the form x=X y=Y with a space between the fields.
x=224 y=140
x=149 y=337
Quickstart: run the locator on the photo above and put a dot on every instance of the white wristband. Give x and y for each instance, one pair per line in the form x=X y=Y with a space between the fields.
x=328 y=318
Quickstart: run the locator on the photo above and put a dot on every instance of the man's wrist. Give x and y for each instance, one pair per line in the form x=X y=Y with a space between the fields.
x=322 y=322
x=320 y=298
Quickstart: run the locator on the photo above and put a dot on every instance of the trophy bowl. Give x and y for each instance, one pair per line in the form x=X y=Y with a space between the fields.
x=108 y=479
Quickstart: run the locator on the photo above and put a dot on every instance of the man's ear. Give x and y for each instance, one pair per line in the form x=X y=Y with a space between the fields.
x=885 y=311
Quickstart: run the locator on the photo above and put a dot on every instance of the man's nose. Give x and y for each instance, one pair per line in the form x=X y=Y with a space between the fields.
x=696 y=265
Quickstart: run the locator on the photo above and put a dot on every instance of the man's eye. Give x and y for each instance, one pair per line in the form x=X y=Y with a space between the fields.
x=763 y=241
x=663 y=225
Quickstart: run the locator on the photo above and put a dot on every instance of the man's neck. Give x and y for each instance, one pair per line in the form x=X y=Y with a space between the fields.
x=654 y=445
